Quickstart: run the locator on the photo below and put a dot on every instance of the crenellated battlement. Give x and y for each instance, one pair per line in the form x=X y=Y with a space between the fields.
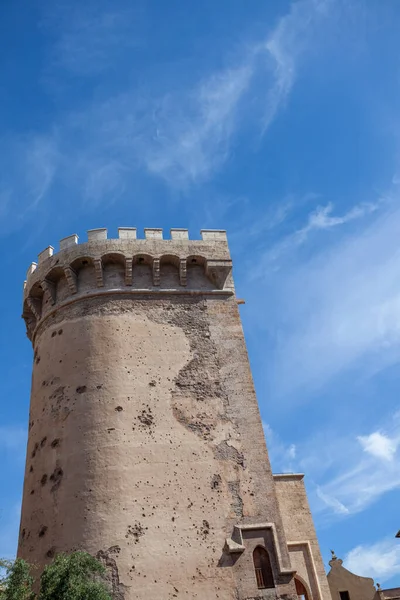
x=128 y=233
x=126 y=265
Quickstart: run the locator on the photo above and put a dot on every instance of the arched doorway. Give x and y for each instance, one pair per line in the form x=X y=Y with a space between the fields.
x=301 y=590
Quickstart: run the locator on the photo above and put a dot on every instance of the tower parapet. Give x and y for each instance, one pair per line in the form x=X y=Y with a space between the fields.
x=126 y=265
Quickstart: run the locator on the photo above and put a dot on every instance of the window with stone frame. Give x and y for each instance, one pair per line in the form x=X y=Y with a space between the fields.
x=263 y=569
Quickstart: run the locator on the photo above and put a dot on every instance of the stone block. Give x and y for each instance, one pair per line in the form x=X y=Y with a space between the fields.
x=216 y=235
x=179 y=234
x=153 y=234
x=127 y=233
x=97 y=235
x=68 y=241
x=46 y=253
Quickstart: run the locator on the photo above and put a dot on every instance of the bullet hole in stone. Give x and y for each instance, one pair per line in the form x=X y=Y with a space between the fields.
x=60 y=332
x=51 y=552
x=55 y=443
x=43 y=442
x=216 y=482
x=35 y=449
x=31 y=469
x=118 y=408
x=136 y=531
x=54 y=334
x=146 y=418
x=43 y=530
x=43 y=481
x=152 y=383
x=56 y=478
x=38 y=360
x=23 y=532
x=32 y=492
x=81 y=389
x=205 y=529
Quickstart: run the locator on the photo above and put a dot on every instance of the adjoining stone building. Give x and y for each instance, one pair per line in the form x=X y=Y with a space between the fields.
x=345 y=585
x=146 y=446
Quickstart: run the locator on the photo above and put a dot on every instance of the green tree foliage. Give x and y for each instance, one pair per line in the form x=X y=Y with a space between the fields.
x=16 y=584
x=76 y=576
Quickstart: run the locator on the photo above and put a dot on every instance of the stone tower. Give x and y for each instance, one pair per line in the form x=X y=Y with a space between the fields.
x=145 y=442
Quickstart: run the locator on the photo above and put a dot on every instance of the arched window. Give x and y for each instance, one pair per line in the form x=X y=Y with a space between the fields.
x=262 y=567
x=301 y=590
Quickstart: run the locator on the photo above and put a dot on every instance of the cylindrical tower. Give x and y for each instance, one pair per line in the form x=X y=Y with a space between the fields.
x=145 y=443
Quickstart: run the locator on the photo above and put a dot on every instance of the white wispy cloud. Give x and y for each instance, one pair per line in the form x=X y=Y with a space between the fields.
x=333 y=503
x=182 y=135
x=380 y=560
x=194 y=141
x=350 y=476
x=340 y=304
x=29 y=166
x=189 y=144
x=380 y=445
x=320 y=219
x=293 y=35
x=90 y=37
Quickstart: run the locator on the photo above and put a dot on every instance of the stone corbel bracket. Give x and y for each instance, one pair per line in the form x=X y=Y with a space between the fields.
x=235 y=545
x=218 y=270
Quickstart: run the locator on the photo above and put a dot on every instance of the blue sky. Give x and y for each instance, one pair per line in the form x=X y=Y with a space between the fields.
x=278 y=121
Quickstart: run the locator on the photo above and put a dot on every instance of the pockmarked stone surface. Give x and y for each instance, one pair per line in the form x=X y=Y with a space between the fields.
x=146 y=446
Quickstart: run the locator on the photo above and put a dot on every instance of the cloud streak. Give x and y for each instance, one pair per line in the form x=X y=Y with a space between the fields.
x=181 y=136
x=340 y=304
x=89 y=38
x=350 y=476
x=380 y=561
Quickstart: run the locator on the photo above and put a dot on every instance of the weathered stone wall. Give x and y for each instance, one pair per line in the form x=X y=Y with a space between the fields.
x=145 y=444
x=301 y=536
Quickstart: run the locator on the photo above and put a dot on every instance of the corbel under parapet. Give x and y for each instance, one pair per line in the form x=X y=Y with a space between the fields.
x=49 y=289
x=217 y=271
x=156 y=271
x=128 y=271
x=35 y=307
x=182 y=271
x=30 y=323
x=72 y=279
x=98 y=269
